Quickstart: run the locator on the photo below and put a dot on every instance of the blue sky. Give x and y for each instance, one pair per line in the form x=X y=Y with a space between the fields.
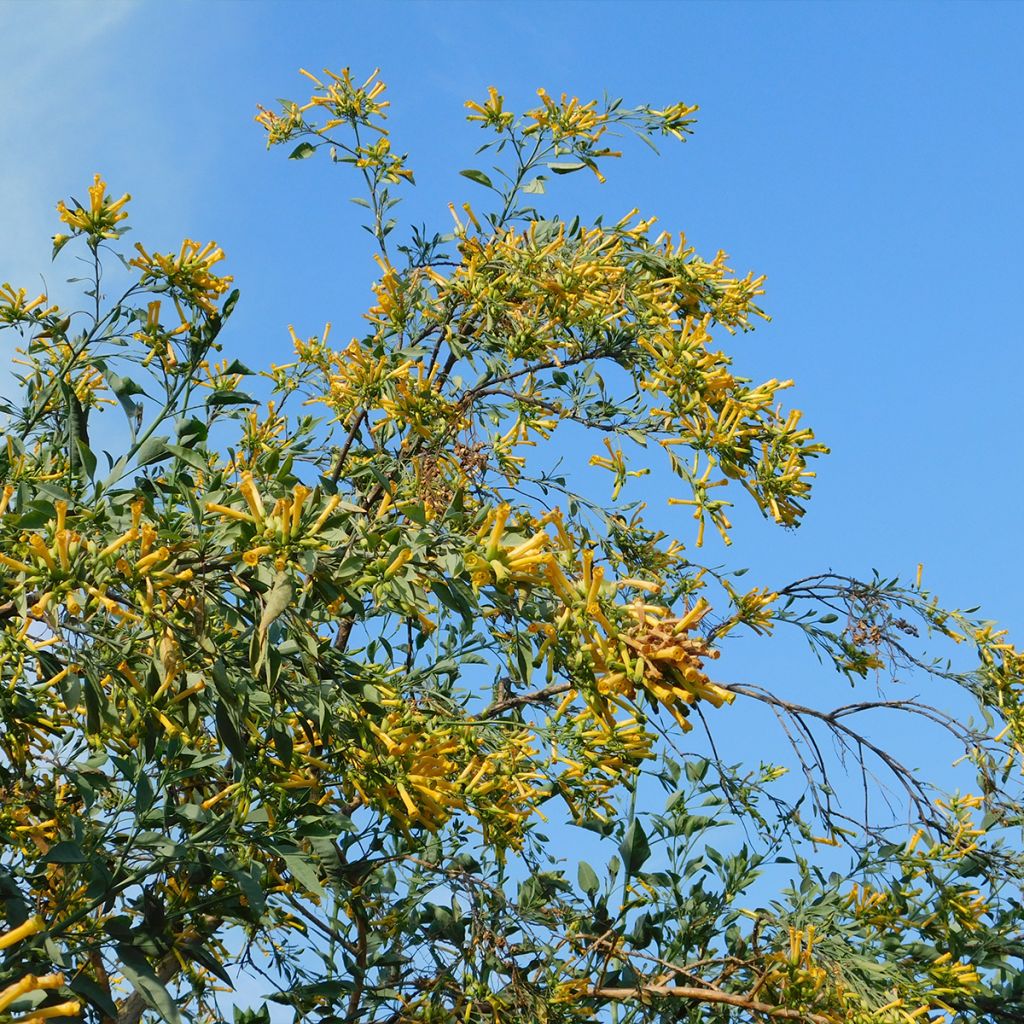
x=864 y=156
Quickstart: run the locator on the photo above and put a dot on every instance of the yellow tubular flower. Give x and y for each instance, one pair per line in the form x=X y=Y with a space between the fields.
x=230 y=513
x=32 y=926
x=397 y=563
x=102 y=216
x=13 y=563
x=332 y=504
x=252 y=497
x=189 y=273
x=69 y=1008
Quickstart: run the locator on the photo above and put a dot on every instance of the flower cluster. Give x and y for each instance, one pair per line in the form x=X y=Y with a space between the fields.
x=281 y=533
x=568 y=119
x=657 y=656
x=348 y=105
x=492 y=113
x=422 y=775
x=616 y=463
x=159 y=340
x=628 y=650
x=98 y=220
x=187 y=274
x=16 y=307
x=345 y=101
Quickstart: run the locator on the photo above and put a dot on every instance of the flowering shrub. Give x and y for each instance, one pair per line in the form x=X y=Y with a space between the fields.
x=303 y=697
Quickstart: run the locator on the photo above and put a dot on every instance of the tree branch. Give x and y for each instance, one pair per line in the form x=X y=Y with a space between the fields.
x=706 y=995
x=533 y=697
x=167 y=968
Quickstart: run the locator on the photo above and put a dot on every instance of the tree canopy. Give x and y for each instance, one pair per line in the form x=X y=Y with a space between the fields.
x=316 y=671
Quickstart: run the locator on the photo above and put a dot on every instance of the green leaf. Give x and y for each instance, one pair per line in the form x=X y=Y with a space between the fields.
x=251 y=890
x=66 y=852
x=27 y=1002
x=466 y=862
x=92 y=993
x=634 y=848
x=478 y=176
x=203 y=956
x=230 y=398
x=191 y=431
x=250 y=1016
x=303 y=871
x=566 y=167
x=536 y=186
x=35 y=514
x=16 y=908
x=283 y=743
x=300 y=995
x=228 y=732
x=95 y=705
x=124 y=388
x=278 y=598
x=302 y=151
x=191 y=813
x=588 y=879
x=87 y=457
x=227 y=687
x=327 y=854
x=153 y=449
x=229 y=304
x=138 y=970
x=189 y=457
x=143 y=795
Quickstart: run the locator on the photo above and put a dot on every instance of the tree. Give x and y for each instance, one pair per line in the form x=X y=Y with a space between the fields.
x=295 y=690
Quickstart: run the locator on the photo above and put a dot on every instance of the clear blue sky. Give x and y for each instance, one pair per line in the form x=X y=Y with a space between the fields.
x=866 y=157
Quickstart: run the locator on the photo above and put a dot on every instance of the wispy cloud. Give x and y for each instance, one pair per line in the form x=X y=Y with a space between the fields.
x=54 y=53
x=44 y=39
x=50 y=64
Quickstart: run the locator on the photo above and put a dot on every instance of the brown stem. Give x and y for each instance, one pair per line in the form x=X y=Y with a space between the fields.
x=552 y=407
x=914 y=789
x=533 y=697
x=547 y=364
x=102 y=979
x=706 y=995
x=344 y=631
x=359 y=976
x=343 y=454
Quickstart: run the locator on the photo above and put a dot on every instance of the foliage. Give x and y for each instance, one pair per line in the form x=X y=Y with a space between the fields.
x=292 y=685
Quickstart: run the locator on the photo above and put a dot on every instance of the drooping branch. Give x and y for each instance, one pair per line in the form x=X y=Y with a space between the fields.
x=915 y=790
